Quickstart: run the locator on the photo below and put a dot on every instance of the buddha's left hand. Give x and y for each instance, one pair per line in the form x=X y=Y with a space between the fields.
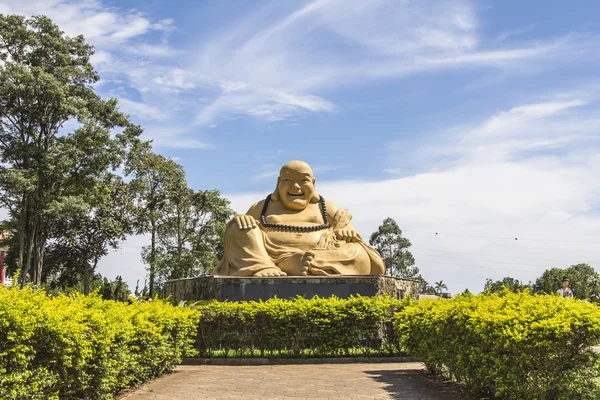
x=349 y=235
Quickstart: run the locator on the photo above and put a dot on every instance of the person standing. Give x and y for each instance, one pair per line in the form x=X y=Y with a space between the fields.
x=566 y=291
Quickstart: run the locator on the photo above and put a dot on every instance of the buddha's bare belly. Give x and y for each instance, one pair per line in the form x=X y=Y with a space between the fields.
x=303 y=240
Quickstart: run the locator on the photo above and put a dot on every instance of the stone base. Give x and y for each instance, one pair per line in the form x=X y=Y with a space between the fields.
x=260 y=288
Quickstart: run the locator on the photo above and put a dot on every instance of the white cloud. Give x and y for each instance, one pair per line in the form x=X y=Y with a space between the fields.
x=180 y=142
x=177 y=78
x=141 y=110
x=175 y=137
x=229 y=87
x=101 y=58
x=400 y=27
x=151 y=50
x=557 y=125
x=277 y=63
x=136 y=26
x=164 y=25
x=515 y=32
x=265 y=103
x=290 y=53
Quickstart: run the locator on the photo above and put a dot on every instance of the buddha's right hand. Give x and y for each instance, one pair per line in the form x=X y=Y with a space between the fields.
x=244 y=221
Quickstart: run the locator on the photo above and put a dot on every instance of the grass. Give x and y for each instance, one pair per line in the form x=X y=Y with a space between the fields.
x=353 y=352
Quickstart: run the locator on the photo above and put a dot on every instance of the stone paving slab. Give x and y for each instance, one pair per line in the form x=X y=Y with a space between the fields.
x=325 y=381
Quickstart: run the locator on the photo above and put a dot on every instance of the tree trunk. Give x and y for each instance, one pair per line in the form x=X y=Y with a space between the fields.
x=24 y=214
x=88 y=273
x=38 y=260
x=152 y=258
x=30 y=242
x=86 y=279
x=22 y=233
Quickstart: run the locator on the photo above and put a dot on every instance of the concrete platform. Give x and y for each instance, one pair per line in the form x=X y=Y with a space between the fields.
x=261 y=288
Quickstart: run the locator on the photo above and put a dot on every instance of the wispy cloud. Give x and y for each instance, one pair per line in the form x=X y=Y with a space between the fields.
x=143 y=110
x=276 y=63
x=176 y=78
x=282 y=64
x=265 y=172
x=515 y=32
x=168 y=136
x=554 y=127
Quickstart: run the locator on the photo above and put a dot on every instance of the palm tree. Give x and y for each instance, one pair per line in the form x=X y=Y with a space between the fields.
x=439 y=286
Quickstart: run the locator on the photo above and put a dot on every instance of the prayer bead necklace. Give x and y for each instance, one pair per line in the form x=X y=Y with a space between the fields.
x=295 y=228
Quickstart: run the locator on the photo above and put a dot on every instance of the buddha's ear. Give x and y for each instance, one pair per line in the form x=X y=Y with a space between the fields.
x=275 y=194
x=315 y=198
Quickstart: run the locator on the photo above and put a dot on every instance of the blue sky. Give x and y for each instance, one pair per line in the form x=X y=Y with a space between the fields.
x=475 y=120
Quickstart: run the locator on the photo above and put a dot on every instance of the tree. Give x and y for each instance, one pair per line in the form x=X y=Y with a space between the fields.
x=393 y=247
x=511 y=284
x=58 y=284
x=115 y=290
x=583 y=278
x=97 y=225
x=46 y=80
x=440 y=287
x=152 y=177
x=426 y=288
x=211 y=212
x=190 y=233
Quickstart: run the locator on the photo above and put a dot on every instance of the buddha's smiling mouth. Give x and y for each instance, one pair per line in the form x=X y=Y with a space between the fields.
x=296 y=194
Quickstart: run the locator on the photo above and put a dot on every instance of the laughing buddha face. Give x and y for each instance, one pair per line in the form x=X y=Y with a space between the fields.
x=296 y=186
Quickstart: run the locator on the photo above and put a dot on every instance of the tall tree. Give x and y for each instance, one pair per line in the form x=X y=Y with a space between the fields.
x=153 y=176
x=211 y=212
x=393 y=247
x=93 y=227
x=190 y=234
x=46 y=80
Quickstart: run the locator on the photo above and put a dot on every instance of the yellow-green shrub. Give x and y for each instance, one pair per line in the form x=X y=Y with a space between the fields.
x=507 y=345
x=298 y=327
x=83 y=347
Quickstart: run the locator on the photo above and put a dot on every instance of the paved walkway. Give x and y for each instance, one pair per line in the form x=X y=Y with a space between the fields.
x=317 y=381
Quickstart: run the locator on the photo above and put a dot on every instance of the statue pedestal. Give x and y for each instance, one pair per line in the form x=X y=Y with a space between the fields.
x=255 y=288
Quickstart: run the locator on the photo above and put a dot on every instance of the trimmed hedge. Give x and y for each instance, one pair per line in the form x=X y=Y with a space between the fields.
x=83 y=347
x=507 y=345
x=299 y=327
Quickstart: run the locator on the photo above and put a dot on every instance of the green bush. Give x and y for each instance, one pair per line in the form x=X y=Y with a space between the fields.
x=299 y=327
x=83 y=347
x=507 y=345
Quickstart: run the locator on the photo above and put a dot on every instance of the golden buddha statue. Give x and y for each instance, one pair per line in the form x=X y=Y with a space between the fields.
x=296 y=232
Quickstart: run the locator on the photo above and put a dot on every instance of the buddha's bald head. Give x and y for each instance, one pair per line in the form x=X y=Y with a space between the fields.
x=296 y=166
x=296 y=185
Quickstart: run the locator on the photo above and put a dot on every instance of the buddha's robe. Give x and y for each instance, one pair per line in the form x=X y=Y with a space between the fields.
x=247 y=252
